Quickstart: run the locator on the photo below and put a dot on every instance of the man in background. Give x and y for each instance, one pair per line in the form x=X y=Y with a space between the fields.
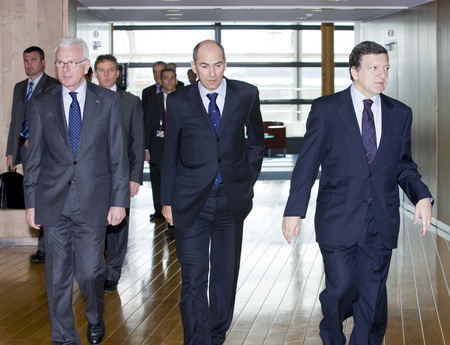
x=155 y=132
x=107 y=71
x=191 y=76
x=16 y=148
x=76 y=182
x=156 y=88
x=173 y=66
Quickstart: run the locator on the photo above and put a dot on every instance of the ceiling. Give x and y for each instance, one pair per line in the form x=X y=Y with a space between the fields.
x=244 y=11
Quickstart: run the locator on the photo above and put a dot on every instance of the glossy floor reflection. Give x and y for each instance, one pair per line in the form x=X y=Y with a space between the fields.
x=277 y=300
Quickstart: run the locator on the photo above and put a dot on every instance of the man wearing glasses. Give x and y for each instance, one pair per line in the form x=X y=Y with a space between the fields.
x=76 y=183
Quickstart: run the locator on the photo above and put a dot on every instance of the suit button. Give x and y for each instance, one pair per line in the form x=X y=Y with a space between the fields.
x=217 y=139
x=69 y=183
x=370 y=175
x=74 y=162
x=219 y=160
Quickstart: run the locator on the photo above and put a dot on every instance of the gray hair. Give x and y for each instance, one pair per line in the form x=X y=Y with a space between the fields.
x=69 y=41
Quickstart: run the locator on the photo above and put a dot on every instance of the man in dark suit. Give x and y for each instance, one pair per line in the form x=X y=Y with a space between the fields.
x=24 y=91
x=173 y=66
x=76 y=182
x=208 y=174
x=362 y=140
x=156 y=88
x=155 y=130
x=107 y=71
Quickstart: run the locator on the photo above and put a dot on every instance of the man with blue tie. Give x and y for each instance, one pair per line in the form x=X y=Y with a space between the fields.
x=208 y=173
x=361 y=138
x=76 y=182
x=17 y=144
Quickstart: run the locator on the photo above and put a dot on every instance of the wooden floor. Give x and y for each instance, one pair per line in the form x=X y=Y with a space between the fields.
x=277 y=298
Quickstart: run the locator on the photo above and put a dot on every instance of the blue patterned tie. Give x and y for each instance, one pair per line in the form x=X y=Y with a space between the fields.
x=74 y=122
x=368 y=133
x=214 y=115
x=24 y=130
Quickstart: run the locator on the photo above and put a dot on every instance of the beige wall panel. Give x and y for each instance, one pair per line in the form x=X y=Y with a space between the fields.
x=413 y=77
x=23 y=23
x=443 y=74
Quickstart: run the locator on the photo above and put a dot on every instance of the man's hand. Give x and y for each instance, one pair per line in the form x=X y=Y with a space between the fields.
x=423 y=210
x=290 y=226
x=26 y=143
x=134 y=188
x=147 y=156
x=30 y=219
x=9 y=165
x=167 y=213
x=116 y=215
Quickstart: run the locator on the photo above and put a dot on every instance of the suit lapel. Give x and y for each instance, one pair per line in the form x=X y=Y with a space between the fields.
x=231 y=101
x=347 y=114
x=387 y=118
x=91 y=108
x=59 y=116
x=195 y=102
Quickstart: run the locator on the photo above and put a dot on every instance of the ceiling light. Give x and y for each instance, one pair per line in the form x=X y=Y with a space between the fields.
x=174 y=14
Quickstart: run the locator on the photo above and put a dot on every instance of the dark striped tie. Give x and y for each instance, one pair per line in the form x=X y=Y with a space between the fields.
x=368 y=133
x=24 y=130
x=214 y=115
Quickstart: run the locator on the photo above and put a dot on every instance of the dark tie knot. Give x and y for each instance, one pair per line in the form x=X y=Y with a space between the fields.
x=212 y=96
x=73 y=95
x=368 y=103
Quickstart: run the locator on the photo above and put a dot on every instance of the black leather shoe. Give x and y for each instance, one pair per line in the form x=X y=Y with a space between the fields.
x=156 y=215
x=110 y=286
x=95 y=333
x=170 y=232
x=39 y=257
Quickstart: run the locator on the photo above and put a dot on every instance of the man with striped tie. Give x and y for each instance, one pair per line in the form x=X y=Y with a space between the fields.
x=362 y=140
x=17 y=144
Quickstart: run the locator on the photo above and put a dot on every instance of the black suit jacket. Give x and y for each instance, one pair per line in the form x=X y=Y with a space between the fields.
x=193 y=152
x=148 y=93
x=134 y=128
x=18 y=109
x=333 y=141
x=154 y=113
x=100 y=168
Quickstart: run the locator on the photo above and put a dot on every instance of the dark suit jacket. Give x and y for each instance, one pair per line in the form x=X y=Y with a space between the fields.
x=193 y=153
x=153 y=115
x=148 y=93
x=18 y=109
x=134 y=128
x=333 y=141
x=100 y=169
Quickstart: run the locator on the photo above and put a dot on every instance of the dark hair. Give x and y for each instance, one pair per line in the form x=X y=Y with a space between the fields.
x=160 y=63
x=197 y=47
x=35 y=49
x=167 y=70
x=107 y=57
x=364 y=48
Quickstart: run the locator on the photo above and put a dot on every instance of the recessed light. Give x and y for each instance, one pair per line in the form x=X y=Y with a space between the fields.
x=173 y=14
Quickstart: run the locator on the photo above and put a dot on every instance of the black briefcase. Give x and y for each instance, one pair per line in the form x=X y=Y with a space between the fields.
x=11 y=190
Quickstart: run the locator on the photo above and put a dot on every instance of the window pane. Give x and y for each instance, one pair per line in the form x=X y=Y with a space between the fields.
x=259 y=45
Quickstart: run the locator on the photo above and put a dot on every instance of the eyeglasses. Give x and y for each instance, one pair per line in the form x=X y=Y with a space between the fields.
x=70 y=64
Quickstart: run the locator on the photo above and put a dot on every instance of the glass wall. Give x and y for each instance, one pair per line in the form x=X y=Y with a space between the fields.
x=282 y=61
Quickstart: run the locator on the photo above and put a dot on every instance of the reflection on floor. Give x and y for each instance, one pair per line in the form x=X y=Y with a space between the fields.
x=277 y=299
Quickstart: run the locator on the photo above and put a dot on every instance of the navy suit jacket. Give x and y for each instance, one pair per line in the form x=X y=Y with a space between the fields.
x=17 y=111
x=153 y=115
x=134 y=128
x=100 y=168
x=193 y=152
x=333 y=141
